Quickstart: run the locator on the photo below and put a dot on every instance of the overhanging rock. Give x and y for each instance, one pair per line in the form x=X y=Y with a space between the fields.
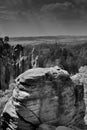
x=44 y=95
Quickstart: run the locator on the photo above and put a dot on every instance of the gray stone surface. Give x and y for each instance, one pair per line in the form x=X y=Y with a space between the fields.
x=45 y=95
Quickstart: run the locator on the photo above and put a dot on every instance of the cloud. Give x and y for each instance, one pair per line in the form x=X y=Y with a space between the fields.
x=36 y=10
x=30 y=10
x=15 y=5
x=42 y=14
x=65 y=10
x=51 y=7
x=14 y=10
x=80 y=1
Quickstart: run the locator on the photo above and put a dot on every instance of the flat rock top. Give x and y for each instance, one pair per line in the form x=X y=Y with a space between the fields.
x=63 y=128
x=37 y=73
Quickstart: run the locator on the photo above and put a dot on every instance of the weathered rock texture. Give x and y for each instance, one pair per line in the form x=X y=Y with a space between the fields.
x=63 y=128
x=46 y=127
x=4 y=75
x=4 y=97
x=12 y=62
x=81 y=79
x=44 y=95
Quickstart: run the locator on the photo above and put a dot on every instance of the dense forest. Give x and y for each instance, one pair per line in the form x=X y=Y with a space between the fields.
x=14 y=60
x=68 y=57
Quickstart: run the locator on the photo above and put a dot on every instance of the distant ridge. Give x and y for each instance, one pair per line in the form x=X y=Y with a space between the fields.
x=35 y=38
x=69 y=39
x=45 y=37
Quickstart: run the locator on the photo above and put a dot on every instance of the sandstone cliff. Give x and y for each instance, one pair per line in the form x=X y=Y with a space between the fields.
x=81 y=79
x=12 y=63
x=44 y=95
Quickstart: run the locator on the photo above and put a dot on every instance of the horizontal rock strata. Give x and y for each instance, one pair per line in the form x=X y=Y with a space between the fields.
x=44 y=95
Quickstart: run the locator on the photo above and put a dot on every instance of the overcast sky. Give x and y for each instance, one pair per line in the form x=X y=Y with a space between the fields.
x=43 y=17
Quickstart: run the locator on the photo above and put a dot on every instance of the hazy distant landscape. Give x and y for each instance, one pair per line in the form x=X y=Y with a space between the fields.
x=48 y=39
x=68 y=52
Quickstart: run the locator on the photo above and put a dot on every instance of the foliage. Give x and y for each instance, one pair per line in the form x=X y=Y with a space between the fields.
x=70 y=57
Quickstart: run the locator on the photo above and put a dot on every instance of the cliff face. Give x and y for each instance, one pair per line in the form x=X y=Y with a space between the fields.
x=44 y=95
x=4 y=75
x=81 y=79
x=12 y=63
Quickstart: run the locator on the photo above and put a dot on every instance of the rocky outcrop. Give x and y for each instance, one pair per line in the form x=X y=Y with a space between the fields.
x=4 y=75
x=81 y=79
x=12 y=63
x=63 y=128
x=4 y=97
x=46 y=127
x=44 y=95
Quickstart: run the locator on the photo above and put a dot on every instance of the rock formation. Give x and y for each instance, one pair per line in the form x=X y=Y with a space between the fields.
x=81 y=79
x=44 y=96
x=5 y=63
x=4 y=97
x=34 y=59
x=12 y=62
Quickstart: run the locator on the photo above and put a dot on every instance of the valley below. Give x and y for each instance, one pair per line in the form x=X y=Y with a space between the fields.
x=43 y=83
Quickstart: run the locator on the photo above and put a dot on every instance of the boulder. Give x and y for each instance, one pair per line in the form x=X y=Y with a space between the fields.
x=44 y=96
x=63 y=128
x=46 y=127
